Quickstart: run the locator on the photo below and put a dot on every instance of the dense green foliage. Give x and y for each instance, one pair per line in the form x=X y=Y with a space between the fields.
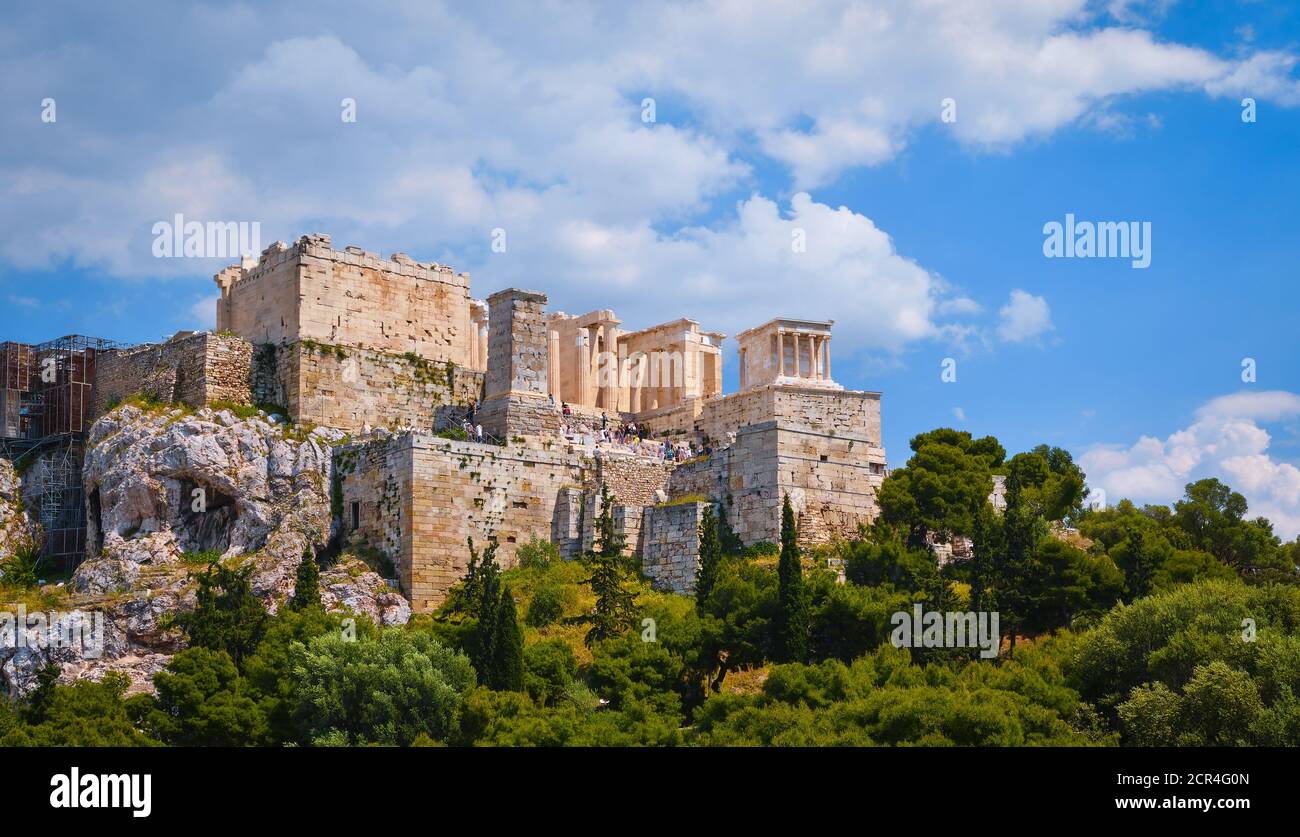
x=227 y=616
x=1151 y=626
x=385 y=690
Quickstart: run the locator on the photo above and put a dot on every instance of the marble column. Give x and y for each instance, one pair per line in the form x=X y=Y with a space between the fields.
x=553 y=369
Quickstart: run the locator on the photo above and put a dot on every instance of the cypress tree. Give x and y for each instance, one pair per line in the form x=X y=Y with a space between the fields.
x=1139 y=564
x=793 y=616
x=306 y=590
x=710 y=557
x=1022 y=528
x=986 y=537
x=508 y=655
x=485 y=633
x=728 y=540
x=227 y=615
x=612 y=542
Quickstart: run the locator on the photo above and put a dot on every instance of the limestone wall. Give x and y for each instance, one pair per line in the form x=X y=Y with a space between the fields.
x=349 y=388
x=197 y=369
x=453 y=491
x=371 y=487
x=349 y=297
x=632 y=480
x=821 y=448
x=671 y=550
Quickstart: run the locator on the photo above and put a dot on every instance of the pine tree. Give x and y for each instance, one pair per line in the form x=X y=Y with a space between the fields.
x=615 y=605
x=227 y=615
x=710 y=557
x=793 y=616
x=508 y=654
x=306 y=590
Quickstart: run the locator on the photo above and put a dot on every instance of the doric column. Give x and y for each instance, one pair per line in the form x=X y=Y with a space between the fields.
x=584 y=364
x=553 y=370
x=634 y=385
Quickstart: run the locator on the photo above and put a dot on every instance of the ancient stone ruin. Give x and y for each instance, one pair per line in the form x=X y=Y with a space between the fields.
x=451 y=417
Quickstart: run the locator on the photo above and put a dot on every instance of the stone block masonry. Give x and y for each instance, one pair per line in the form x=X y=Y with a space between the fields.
x=349 y=388
x=516 y=403
x=444 y=492
x=820 y=447
x=349 y=297
x=194 y=369
x=671 y=545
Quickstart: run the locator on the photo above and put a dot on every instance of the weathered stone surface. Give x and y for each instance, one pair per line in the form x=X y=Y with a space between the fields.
x=671 y=552
x=349 y=585
x=195 y=369
x=263 y=496
x=15 y=526
x=170 y=482
x=310 y=291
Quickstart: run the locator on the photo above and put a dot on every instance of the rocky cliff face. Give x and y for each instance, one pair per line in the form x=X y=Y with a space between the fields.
x=15 y=527
x=167 y=490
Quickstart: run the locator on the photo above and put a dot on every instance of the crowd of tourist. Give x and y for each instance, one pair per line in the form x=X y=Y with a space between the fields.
x=596 y=433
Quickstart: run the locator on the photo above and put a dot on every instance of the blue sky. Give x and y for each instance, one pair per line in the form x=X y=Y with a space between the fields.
x=924 y=236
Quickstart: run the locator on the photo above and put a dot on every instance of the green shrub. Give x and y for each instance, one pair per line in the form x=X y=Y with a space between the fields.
x=539 y=553
x=24 y=566
x=549 y=670
x=547 y=606
x=762 y=549
x=384 y=691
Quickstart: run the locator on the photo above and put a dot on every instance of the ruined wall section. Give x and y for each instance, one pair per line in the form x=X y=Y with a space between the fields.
x=453 y=491
x=370 y=496
x=349 y=388
x=197 y=370
x=671 y=552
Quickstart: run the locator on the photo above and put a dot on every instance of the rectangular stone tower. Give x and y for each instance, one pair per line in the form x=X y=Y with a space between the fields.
x=516 y=403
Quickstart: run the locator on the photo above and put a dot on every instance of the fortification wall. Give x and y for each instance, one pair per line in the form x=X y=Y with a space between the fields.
x=310 y=291
x=454 y=491
x=196 y=370
x=348 y=388
x=821 y=448
x=671 y=549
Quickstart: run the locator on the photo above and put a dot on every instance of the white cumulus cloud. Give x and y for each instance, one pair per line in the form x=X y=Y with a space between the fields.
x=1024 y=317
x=1225 y=441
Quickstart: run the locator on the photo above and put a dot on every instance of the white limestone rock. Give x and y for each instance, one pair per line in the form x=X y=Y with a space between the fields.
x=351 y=585
x=15 y=526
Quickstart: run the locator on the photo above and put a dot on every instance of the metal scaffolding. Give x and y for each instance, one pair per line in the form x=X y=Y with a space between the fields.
x=46 y=407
